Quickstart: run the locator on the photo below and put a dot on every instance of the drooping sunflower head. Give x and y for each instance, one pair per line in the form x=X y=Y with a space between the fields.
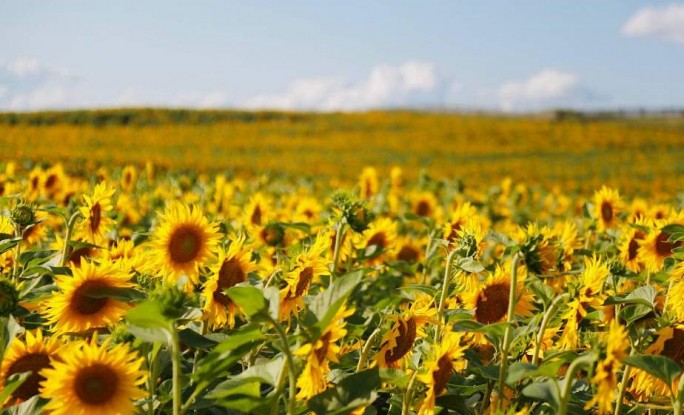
x=539 y=248
x=97 y=206
x=457 y=220
x=31 y=355
x=607 y=206
x=656 y=245
x=232 y=268
x=182 y=243
x=82 y=302
x=92 y=379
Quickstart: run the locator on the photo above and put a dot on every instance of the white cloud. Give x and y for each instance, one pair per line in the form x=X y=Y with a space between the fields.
x=409 y=84
x=666 y=23
x=548 y=88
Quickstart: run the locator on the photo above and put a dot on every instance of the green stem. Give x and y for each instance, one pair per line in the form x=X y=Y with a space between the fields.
x=623 y=387
x=445 y=286
x=20 y=234
x=566 y=393
x=550 y=312
x=512 y=299
x=67 y=237
x=176 y=369
x=408 y=396
x=366 y=350
x=341 y=228
x=291 y=402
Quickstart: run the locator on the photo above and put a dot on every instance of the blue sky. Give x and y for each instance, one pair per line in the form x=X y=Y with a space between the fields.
x=342 y=55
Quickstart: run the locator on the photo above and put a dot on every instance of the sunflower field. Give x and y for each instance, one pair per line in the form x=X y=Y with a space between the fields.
x=145 y=290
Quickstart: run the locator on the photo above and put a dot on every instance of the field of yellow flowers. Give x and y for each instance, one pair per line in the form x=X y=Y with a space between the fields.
x=636 y=155
x=136 y=290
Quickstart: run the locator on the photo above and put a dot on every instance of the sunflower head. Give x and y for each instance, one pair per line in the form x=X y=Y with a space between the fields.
x=94 y=379
x=183 y=242
x=31 y=355
x=607 y=206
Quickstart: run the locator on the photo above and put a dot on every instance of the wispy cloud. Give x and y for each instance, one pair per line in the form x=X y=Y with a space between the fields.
x=386 y=86
x=664 y=23
x=546 y=89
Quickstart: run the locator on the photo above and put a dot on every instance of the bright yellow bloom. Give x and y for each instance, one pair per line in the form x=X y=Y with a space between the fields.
x=182 y=243
x=446 y=359
x=82 y=303
x=96 y=222
x=92 y=379
x=607 y=206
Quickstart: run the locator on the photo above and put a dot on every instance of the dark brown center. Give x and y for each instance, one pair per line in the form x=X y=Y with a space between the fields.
x=378 y=239
x=408 y=253
x=95 y=217
x=305 y=277
x=663 y=247
x=84 y=302
x=34 y=363
x=96 y=385
x=674 y=347
x=440 y=377
x=492 y=303
x=407 y=335
x=255 y=219
x=607 y=211
x=423 y=208
x=229 y=275
x=185 y=244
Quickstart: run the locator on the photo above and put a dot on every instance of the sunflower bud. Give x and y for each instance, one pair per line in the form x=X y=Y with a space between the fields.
x=23 y=215
x=9 y=298
x=172 y=301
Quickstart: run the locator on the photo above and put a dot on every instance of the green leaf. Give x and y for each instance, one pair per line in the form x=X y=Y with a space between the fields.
x=148 y=314
x=193 y=339
x=226 y=353
x=326 y=304
x=151 y=334
x=243 y=397
x=351 y=392
x=673 y=228
x=642 y=295
x=12 y=384
x=250 y=300
x=544 y=391
x=661 y=367
x=469 y=265
x=7 y=244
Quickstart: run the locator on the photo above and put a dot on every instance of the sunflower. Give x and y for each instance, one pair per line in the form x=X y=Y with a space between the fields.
x=410 y=250
x=308 y=267
x=368 y=182
x=380 y=238
x=182 y=243
x=92 y=379
x=129 y=177
x=540 y=250
x=629 y=243
x=32 y=355
x=80 y=305
x=398 y=341
x=654 y=248
x=232 y=268
x=312 y=380
x=607 y=206
x=36 y=233
x=490 y=299
x=53 y=181
x=424 y=204
x=95 y=222
x=568 y=241
x=447 y=358
x=307 y=210
x=669 y=343
x=258 y=212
